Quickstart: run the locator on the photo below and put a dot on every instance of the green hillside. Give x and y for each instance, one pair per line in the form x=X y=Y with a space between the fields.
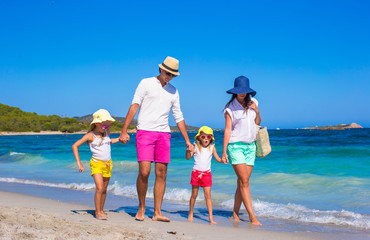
x=13 y=119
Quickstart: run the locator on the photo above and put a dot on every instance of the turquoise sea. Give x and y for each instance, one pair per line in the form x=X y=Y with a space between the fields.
x=312 y=181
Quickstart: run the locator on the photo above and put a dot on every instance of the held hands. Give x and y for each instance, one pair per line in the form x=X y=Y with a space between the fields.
x=124 y=138
x=189 y=147
x=225 y=158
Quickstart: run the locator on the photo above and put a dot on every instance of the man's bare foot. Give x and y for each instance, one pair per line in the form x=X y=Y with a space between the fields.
x=190 y=218
x=235 y=217
x=255 y=221
x=140 y=215
x=105 y=214
x=211 y=221
x=161 y=218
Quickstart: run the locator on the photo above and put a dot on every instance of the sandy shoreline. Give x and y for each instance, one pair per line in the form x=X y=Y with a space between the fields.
x=28 y=217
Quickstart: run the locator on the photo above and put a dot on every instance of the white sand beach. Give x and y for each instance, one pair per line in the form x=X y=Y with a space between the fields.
x=27 y=217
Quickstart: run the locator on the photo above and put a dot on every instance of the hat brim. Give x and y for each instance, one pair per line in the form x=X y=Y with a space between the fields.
x=242 y=91
x=199 y=131
x=103 y=120
x=168 y=70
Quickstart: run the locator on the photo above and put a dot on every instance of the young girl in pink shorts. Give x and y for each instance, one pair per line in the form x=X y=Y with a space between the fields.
x=201 y=175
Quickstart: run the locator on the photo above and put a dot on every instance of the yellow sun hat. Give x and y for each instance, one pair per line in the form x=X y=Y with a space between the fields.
x=206 y=130
x=101 y=115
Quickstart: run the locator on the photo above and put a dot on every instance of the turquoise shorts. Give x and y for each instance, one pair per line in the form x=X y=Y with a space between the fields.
x=241 y=153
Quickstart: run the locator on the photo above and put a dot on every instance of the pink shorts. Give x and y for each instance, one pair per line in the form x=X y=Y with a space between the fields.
x=153 y=146
x=201 y=178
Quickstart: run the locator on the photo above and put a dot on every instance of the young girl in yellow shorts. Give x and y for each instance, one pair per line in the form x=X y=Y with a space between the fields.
x=101 y=164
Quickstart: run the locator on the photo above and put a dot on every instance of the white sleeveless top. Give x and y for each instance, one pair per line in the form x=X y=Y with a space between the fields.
x=243 y=125
x=202 y=160
x=101 y=150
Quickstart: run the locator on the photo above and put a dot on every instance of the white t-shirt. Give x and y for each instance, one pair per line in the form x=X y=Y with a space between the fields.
x=243 y=122
x=202 y=160
x=100 y=148
x=155 y=104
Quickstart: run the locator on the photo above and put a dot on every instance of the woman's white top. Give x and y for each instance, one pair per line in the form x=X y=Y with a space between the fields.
x=100 y=148
x=243 y=122
x=202 y=160
x=155 y=104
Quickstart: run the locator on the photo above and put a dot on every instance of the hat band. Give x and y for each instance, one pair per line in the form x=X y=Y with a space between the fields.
x=171 y=69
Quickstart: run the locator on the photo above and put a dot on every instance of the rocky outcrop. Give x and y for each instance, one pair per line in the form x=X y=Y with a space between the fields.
x=336 y=127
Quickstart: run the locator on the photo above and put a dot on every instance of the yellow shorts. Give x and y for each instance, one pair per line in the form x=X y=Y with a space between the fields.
x=102 y=167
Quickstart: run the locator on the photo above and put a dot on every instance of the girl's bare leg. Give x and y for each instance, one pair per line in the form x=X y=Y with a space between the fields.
x=207 y=196
x=98 y=178
x=104 y=194
x=194 y=194
x=244 y=172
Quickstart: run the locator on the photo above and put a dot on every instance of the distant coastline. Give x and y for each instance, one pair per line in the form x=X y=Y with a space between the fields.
x=336 y=127
x=52 y=133
x=7 y=133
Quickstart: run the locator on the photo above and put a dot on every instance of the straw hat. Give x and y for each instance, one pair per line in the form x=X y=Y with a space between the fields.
x=170 y=65
x=206 y=130
x=100 y=116
x=241 y=85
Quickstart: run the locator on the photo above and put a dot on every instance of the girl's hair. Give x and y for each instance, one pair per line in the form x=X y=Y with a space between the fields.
x=92 y=127
x=247 y=100
x=200 y=145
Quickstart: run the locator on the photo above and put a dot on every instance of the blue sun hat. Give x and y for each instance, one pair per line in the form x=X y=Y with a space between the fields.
x=241 y=85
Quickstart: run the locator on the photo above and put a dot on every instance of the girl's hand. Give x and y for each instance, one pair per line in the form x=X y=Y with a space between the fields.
x=80 y=167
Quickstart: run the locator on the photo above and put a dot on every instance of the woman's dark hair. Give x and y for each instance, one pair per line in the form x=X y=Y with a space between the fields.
x=247 y=100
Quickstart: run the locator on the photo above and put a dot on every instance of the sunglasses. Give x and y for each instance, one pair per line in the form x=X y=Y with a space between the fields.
x=205 y=137
x=104 y=126
x=170 y=74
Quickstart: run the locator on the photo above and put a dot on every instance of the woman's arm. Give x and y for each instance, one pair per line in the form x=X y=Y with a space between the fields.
x=257 y=120
x=215 y=155
x=227 y=133
x=75 y=146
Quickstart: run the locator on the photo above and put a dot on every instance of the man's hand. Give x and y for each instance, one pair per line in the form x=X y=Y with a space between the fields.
x=124 y=138
x=189 y=147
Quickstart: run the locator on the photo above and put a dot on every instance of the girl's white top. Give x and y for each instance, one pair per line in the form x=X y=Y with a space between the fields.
x=155 y=104
x=243 y=125
x=101 y=151
x=202 y=160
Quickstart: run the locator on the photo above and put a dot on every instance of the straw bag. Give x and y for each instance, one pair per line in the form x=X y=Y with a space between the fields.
x=263 y=147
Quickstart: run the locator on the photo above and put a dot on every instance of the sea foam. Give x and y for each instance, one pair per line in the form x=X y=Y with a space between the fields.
x=292 y=212
x=16 y=153
x=299 y=213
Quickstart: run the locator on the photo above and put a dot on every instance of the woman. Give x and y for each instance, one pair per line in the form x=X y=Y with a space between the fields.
x=241 y=115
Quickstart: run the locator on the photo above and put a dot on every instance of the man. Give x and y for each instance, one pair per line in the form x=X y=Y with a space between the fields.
x=155 y=96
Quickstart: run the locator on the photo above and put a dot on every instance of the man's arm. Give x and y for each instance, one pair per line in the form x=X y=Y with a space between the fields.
x=124 y=137
x=184 y=133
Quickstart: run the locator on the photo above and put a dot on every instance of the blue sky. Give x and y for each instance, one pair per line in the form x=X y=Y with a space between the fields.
x=309 y=61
